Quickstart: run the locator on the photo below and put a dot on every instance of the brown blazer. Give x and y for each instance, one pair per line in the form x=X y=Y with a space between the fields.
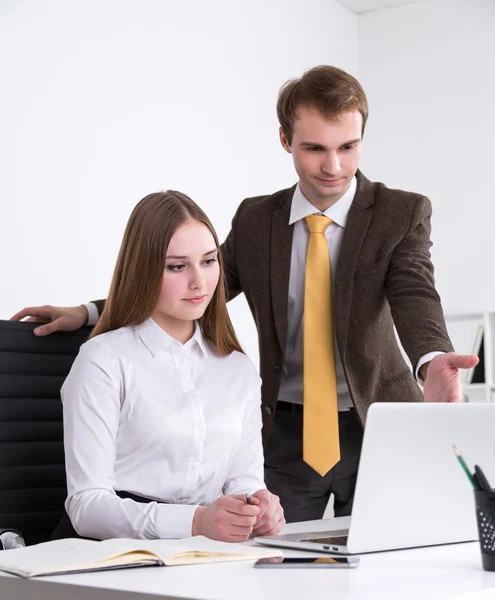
x=384 y=277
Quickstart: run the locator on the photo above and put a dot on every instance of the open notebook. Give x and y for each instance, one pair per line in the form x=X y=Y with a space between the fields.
x=61 y=557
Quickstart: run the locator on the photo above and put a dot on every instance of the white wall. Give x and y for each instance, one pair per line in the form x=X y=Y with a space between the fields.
x=104 y=101
x=429 y=72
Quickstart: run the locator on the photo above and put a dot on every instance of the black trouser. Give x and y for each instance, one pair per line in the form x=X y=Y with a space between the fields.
x=303 y=493
x=65 y=528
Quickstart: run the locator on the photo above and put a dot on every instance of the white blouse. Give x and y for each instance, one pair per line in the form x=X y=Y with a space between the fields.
x=145 y=414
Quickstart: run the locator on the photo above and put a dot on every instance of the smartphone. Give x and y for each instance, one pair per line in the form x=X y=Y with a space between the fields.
x=337 y=562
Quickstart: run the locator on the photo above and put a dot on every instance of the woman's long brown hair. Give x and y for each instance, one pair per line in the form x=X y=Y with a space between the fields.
x=138 y=274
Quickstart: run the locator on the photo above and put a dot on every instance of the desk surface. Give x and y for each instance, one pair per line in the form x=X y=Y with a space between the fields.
x=439 y=573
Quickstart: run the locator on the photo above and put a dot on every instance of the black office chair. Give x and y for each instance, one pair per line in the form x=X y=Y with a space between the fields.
x=32 y=474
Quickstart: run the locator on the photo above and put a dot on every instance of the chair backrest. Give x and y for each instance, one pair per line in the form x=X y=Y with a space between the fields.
x=32 y=470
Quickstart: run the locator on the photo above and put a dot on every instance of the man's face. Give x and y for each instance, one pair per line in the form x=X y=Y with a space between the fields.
x=325 y=152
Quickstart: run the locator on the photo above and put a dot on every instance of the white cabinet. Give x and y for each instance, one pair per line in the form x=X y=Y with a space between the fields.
x=464 y=331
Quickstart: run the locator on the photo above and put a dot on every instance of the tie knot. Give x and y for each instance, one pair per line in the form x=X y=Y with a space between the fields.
x=317 y=223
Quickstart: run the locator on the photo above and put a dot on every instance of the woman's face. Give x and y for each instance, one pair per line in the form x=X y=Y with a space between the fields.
x=190 y=277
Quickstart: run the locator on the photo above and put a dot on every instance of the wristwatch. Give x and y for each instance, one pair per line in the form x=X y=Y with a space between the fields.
x=10 y=539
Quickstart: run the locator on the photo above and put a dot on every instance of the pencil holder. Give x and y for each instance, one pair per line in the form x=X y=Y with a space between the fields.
x=485 y=516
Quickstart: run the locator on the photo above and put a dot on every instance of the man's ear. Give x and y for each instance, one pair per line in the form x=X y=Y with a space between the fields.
x=284 y=141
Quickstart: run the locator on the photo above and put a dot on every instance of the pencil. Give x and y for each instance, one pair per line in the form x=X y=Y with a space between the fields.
x=458 y=454
x=248 y=499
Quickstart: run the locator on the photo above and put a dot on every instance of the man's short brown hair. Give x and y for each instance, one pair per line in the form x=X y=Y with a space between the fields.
x=327 y=89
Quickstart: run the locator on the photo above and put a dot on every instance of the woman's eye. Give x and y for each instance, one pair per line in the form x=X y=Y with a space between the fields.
x=175 y=268
x=210 y=261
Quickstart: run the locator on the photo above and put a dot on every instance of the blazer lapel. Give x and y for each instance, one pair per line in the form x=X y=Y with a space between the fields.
x=356 y=228
x=280 y=256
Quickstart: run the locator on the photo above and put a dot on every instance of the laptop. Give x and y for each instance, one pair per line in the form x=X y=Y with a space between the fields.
x=411 y=490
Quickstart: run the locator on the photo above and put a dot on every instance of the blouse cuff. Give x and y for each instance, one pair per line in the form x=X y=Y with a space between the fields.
x=175 y=520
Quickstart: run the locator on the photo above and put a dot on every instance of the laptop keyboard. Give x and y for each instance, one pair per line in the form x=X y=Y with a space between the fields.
x=337 y=538
x=336 y=541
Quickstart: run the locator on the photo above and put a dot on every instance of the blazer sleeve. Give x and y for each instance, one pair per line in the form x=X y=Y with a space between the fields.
x=228 y=249
x=410 y=287
x=100 y=305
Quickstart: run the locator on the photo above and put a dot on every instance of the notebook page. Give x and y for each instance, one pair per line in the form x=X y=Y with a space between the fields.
x=197 y=548
x=59 y=555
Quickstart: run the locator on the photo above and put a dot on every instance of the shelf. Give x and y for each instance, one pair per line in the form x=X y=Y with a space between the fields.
x=464 y=317
x=465 y=330
x=477 y=386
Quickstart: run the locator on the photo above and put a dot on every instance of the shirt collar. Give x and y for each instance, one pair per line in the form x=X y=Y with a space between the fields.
x=301 y=207
x=156 y=340
x=199 y=339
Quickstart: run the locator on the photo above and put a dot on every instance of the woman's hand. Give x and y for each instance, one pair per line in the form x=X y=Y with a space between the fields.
x=228 y=519
x=271 y=516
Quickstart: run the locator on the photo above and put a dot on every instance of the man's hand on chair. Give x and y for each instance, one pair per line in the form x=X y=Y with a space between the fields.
x=57 y=318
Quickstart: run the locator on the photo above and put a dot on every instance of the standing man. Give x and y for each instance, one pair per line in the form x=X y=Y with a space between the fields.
x=328 y=268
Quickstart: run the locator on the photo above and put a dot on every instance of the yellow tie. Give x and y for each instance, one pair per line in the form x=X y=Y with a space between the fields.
x=321 y=447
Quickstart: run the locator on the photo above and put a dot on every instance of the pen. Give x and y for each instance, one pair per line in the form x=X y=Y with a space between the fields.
x=482 y=480
x=458 y=454
x=248 y=499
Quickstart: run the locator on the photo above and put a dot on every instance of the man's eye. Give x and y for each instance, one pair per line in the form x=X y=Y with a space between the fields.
x=347 y=148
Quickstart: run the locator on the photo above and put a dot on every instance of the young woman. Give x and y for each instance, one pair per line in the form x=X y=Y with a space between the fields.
x=162 y=420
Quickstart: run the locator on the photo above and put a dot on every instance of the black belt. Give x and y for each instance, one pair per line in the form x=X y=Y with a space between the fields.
x=290 y=407
x=299 y=408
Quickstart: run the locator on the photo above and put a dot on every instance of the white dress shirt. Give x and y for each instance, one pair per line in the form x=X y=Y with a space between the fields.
x=291 y=388
x=145 y=414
